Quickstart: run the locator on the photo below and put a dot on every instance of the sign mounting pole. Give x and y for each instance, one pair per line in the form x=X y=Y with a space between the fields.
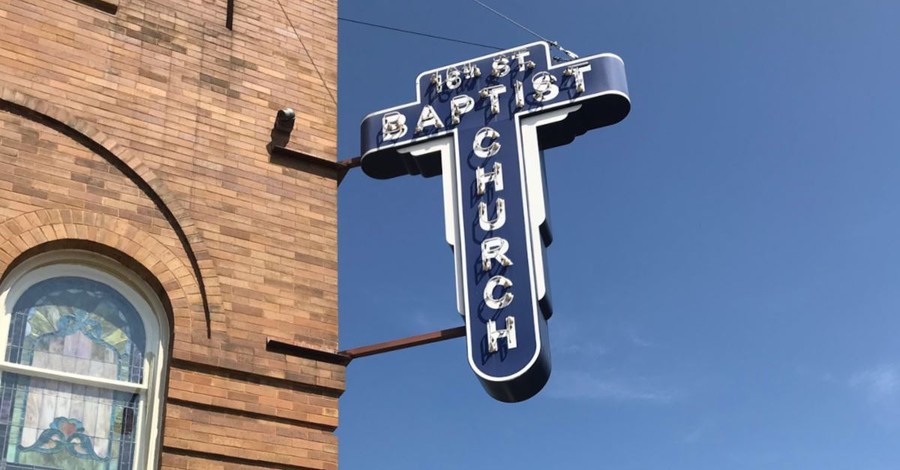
x=482 y=125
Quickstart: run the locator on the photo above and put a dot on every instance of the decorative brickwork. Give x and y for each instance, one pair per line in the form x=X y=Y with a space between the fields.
x=141 y=135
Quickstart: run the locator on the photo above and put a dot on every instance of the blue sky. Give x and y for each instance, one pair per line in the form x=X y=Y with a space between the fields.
x=726 y=260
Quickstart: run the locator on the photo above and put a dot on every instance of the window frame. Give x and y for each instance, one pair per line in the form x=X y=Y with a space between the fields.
x=99 y=268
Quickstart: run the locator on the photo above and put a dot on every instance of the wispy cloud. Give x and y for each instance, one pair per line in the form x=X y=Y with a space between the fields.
x=880 y=385
x=637 y=340
x=582 y=385
x=697 y=433
x=584 y=349
x=568 y=340
x=429 y=320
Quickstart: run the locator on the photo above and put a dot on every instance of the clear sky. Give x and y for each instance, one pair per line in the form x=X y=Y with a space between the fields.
x=726 y=261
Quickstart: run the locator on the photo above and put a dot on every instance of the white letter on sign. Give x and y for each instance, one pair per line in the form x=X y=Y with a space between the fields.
x=494 y=248
x=482 y=178
x=489 y=299
x=493 y=92
x=460 y=105
x=437 y=82
x=488 y=225
x=393 y=126
x=545 y=88
x=520 y=58
x=491 y=150
x=454 y=78
x=493 y=334
x=500 y=67
x=428 y=118
x=520 y=95
x=471 y=71
x=578 y=72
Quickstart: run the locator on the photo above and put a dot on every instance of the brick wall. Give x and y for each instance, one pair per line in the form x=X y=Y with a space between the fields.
x=142 y=134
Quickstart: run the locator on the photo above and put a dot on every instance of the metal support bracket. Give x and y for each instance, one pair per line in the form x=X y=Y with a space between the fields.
x=344 y=357
x=303 y=161
x=279 y=154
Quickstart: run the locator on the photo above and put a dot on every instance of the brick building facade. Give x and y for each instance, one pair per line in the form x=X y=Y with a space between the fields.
x=134 y=176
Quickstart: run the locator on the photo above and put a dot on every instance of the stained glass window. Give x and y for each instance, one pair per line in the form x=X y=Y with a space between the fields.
x=73 y=385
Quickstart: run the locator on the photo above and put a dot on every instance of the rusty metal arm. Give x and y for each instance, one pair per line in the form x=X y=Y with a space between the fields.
x=293 y=158
x=344 y=357
x=281 y=155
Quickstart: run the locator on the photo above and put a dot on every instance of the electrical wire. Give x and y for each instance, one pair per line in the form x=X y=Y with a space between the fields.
x=555 y=44
x=501 y=15
x=416 y=33
x=311 y=61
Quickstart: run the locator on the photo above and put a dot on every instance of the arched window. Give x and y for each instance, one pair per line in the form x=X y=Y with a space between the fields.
x=83 y=344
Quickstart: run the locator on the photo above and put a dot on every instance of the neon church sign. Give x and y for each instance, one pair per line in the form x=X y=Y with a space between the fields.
x=482 y=124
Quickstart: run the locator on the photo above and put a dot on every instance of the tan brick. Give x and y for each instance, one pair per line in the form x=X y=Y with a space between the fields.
x=187 y=106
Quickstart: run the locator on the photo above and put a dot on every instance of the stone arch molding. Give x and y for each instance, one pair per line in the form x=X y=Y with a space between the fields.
x=32 y=231
x=201 y=270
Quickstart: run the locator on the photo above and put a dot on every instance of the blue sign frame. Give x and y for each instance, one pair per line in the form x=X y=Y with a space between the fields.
x=482 y=124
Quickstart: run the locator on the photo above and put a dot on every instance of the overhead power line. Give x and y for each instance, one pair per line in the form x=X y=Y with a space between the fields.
x=555 y=44
x=417 y=33
x=501 y=15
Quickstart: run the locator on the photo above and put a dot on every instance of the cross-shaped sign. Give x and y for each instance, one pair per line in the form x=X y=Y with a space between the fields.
x=482 y=125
